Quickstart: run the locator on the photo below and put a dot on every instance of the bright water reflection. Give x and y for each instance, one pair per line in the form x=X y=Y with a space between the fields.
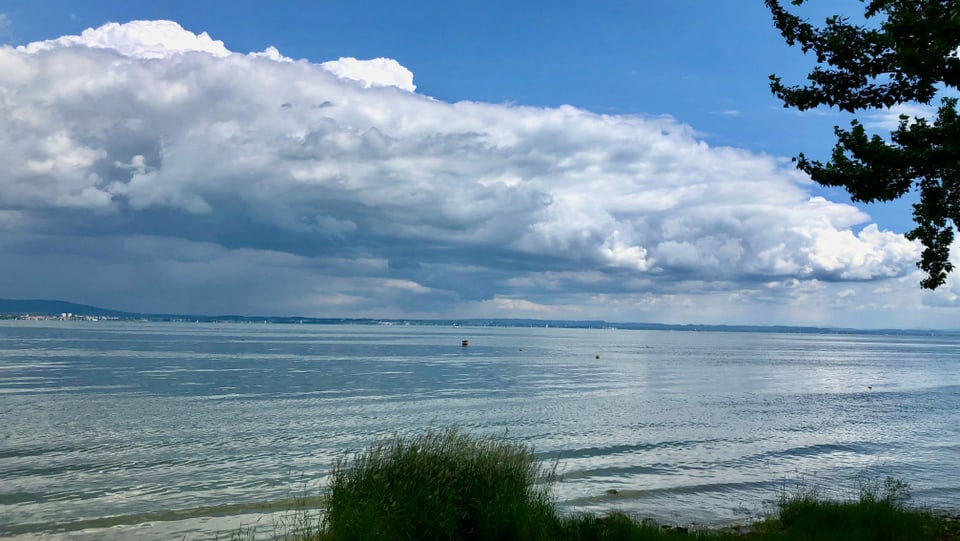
x=165 y=430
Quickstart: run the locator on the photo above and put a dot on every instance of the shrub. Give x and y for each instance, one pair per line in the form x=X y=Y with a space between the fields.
x=442 y=485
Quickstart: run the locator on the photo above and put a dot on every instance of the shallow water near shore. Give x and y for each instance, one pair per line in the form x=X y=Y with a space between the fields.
x=110 y=430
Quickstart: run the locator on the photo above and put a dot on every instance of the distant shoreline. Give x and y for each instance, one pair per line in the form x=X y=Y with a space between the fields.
x=55 y=310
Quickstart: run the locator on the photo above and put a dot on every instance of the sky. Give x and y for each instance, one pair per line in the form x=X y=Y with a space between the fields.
x=606 y=160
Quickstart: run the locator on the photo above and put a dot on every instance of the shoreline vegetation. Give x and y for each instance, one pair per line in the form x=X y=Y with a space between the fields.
x=449 y=485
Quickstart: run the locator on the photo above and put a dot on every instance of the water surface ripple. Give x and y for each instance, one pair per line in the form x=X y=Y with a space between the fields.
x=110 y=430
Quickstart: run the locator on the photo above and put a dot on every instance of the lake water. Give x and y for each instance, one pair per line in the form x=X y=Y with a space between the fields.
x=113 y=430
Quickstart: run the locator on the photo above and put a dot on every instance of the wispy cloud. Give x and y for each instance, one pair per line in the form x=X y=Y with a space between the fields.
x=889 y=119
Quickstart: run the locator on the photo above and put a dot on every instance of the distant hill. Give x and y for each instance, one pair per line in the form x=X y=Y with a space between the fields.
x=44 y=307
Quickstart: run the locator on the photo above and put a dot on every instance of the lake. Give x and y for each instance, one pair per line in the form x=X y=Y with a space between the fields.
x=115 y=430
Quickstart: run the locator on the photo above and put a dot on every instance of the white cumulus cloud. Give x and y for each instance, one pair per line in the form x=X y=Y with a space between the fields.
x=253 y=171
x=140 y=39
x=375 y=72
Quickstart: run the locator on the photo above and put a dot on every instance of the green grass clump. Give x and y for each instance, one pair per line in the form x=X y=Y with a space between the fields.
x=449 y=486
x=619 y=526
x=442 y=485
x=880 y=514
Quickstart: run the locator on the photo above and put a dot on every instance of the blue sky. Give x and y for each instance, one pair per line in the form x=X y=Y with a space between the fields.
x=684 y=83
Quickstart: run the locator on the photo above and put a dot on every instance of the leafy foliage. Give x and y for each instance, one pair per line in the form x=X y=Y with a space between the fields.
x=909 y=56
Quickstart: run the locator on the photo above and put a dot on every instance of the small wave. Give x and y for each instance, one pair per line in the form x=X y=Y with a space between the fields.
x=165 y=516
x=31 y=452
x=806 y=451
x=612 y=450
x=698 y=489
x=612 y=471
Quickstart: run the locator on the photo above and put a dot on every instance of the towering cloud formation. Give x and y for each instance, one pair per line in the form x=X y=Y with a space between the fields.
x=144 y=146
x=138 y=39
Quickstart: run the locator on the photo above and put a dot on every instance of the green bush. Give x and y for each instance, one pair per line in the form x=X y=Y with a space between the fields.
x=442 y=485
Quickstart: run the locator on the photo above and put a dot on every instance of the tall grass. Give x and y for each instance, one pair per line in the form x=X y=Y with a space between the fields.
x=880 y=514
x=447 y=485
x=441 y=485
